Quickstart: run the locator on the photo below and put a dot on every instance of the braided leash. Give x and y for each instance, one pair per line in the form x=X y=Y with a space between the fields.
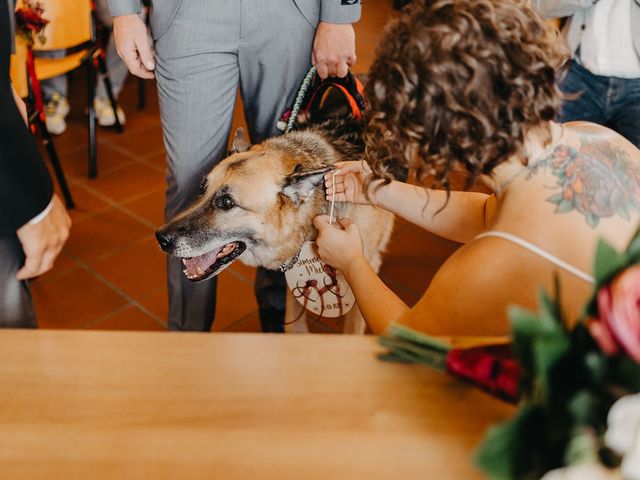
x=297 y=105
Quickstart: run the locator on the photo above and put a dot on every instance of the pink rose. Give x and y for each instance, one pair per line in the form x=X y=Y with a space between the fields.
x=619 y=307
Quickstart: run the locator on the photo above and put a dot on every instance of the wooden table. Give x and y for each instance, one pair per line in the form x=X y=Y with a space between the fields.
x=118 y=405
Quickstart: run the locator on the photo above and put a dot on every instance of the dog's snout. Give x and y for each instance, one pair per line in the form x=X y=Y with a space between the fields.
x=166 y=239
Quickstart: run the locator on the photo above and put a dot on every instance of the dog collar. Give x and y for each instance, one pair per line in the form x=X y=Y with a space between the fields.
x=289 y=265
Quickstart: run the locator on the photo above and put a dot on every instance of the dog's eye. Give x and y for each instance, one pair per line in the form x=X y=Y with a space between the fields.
x=225 y=202
x=203 y=186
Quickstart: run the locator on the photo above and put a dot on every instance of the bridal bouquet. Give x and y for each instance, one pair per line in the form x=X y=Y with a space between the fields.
x=29 y=21
x=578 y=387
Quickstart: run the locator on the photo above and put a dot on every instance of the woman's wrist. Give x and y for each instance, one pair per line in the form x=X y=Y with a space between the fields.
x=379 y=193
x=353 y=266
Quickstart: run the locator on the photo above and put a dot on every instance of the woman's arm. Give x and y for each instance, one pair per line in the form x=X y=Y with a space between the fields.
x=377 y=303
x=460 y=218
x=341 y=247
x=469 y=295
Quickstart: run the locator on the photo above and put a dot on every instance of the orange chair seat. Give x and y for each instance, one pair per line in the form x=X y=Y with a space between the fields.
x=52 y=67
x=18 y=69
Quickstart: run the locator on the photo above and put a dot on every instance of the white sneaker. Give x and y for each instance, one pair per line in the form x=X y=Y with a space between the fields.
x=55 y=112
x=104 y=113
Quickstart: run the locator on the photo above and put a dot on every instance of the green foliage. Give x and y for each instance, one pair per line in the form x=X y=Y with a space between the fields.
x=608 y=262
x=568 y=388
x=408 y=346
x=511 y=449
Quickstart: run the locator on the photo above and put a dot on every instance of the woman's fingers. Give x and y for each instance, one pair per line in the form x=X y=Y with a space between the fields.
x=337 y=190
x=321 y=222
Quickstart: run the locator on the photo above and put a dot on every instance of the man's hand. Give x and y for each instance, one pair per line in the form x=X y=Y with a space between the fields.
x=334 y=49
x=43 y=241
x=133 y=45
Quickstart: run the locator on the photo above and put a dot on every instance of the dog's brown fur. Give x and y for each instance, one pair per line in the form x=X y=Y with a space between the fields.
x=277 y=189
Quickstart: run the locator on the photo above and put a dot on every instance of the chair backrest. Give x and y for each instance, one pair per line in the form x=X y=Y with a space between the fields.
x=18 y=70
x=554 y=22
x=70 y=24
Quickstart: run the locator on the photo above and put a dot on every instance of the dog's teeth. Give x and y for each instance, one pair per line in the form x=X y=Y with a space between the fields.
x=200 y=271
x=186 y=272
x=184 y=262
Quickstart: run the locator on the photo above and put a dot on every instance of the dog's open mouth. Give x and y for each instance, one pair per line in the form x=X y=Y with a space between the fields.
x=204 y=266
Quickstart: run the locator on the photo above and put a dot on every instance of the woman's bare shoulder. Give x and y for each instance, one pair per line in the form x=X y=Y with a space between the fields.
x=600 y=133
x=593 y=172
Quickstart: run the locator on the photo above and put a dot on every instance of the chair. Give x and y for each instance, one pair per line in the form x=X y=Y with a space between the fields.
x=21 y=63
x=71 y=43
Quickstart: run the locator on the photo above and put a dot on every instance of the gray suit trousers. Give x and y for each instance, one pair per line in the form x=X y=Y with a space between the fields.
x=204 y=53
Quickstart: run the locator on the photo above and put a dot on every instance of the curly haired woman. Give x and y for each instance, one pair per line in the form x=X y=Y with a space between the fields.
x=468 y=86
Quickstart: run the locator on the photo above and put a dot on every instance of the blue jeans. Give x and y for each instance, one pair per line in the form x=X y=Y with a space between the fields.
x=610 y=101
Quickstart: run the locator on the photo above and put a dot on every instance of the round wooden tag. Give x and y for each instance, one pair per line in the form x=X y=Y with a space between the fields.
x=321 y=289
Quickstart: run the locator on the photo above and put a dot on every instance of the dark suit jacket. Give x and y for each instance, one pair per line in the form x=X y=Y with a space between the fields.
x=25 y=184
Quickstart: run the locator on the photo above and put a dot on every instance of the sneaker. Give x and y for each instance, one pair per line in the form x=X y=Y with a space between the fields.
x=58 y=105
x=55 y=112
x=104 y=113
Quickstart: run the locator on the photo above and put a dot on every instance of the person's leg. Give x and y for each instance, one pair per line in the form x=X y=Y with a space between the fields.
x=274 y=59
x=625 y=110
x=197 y=77
x=54 y=92
x=16 y=307
x=117 y=69
x=586 y=95
x=117 y=73
x=54 y=85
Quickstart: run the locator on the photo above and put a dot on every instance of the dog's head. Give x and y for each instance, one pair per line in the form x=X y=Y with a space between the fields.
x=257 y=203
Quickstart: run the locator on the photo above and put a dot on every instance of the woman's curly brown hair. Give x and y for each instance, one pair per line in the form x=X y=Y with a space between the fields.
x=459 y=83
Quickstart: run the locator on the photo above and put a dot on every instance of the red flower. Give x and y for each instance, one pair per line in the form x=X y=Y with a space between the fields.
x=618 y=327
x=29 y=20
x=493 y=368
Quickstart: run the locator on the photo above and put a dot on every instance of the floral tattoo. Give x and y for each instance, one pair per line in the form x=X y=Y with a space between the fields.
x=598 y=180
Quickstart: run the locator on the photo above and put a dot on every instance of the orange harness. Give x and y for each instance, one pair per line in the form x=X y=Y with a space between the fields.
x=350 y=87
x=313 y=101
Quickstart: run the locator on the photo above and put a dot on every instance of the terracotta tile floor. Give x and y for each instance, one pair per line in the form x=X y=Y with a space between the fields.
x=111 y=274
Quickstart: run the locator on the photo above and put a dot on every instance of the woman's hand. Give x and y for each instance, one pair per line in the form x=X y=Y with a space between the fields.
x=339 y=244
x=350 y=178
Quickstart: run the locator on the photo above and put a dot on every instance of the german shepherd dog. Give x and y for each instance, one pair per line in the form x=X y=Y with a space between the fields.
x=258 y=204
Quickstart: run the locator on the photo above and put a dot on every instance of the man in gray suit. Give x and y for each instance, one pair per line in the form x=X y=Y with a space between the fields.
x=204 y=50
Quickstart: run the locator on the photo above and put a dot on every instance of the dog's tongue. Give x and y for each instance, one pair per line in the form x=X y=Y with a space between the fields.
x=199 y=265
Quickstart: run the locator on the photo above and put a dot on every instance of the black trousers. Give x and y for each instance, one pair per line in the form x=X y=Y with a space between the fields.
x=16 y=306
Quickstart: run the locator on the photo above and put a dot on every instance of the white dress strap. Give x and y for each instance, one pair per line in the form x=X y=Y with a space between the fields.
x=540 y=252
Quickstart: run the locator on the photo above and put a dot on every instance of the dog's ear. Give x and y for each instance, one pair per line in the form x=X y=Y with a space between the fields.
x=239 y=143
x=300 y=185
